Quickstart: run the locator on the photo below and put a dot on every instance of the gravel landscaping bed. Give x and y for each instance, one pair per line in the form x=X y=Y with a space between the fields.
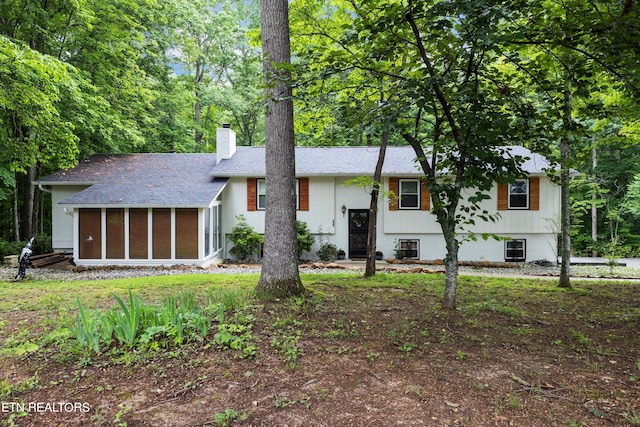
x=523 y=269
x=110 y=272
x=577 y=271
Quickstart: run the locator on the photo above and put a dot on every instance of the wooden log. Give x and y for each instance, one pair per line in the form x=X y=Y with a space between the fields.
x=52 y=259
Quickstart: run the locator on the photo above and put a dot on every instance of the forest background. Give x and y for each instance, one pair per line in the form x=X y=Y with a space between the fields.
x=79 y=77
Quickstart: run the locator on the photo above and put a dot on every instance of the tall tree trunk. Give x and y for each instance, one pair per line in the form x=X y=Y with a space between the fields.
x=445 y=216
x=197 y=113
x=280 y=276
x=450 y=266
x=594 y=198
x=16 y=215
x=35 y=215
x=26 y=194
x=565 y=179
x=198 y=132
x=370 y=267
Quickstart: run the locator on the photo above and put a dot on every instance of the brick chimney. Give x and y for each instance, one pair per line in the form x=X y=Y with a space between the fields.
x=225 y=142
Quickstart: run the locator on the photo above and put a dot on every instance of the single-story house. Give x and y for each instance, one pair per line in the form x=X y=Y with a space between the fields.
x=162 y=209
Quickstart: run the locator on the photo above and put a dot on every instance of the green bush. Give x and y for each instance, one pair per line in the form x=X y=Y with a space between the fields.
x=246 y=241
x=305 y=239
x=327 y=252
x=10 y=248
x=41 y=245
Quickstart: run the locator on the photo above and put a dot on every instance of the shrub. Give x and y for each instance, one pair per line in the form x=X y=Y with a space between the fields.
x=327 y=252
x=41 y=245
x=10 y=248
x=246 y=241
x=305 y=239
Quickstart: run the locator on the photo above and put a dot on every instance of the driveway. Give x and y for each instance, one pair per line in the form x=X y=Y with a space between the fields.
x=630 y=262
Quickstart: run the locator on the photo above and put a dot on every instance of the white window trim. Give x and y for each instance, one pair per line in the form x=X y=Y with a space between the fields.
x=525 y=180
x=261 y=182
x=411 y=208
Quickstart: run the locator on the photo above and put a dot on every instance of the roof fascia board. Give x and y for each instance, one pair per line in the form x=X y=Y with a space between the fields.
x=132 y=206
x=64 y=183
x=315 y=174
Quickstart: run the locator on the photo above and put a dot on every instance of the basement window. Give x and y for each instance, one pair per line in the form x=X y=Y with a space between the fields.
x=409 y=248
x=515 y=250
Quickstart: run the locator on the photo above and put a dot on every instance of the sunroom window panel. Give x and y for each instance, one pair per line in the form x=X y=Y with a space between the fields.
x=186 y=233
x=161 y=233
x=207 y=231
x=216 y=228
x=115 y=233
x=90 y=233
x=138 y=233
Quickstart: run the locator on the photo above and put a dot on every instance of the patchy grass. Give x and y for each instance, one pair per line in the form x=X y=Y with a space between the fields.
x=38 y=295
x=356 y=351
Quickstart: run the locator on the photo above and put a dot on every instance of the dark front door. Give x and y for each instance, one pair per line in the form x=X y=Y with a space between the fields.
x=358 y=228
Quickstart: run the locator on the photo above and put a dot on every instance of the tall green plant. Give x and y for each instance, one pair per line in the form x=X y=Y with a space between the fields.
x=246 y=241
x=177 y=321
x=127 y=322
x=87 y=330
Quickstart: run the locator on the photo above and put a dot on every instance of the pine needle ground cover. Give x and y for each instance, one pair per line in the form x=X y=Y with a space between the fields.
x=201 y=350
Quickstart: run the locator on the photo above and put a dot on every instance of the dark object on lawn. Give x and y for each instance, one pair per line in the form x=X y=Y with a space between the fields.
x=23 y=260
x=543 y=263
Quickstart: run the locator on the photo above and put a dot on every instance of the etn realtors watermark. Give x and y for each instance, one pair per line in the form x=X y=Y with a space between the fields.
x=44 y=407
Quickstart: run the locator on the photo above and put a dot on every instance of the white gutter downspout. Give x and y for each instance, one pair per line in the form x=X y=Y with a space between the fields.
x=44 y=189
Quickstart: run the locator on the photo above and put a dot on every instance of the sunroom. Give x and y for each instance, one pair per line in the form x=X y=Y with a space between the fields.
x=139 y=209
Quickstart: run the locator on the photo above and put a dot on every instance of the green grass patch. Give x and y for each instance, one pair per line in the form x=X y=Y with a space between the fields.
x=47 y=294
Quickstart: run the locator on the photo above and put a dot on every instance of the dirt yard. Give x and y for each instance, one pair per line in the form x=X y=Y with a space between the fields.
x=358 y=353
